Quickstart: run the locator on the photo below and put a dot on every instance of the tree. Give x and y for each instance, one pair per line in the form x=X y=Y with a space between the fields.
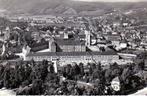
x=1 y=71
x=13 y=79
x=125 y=74
x=81 y=66
x=93 y=66
x=99 y=89
x=67 y=71
x=44 y=70
x=114 y=66
x=6 y=76
x=28 y=38
x=28 y=71
x=63 y=88
x=21 y=73
x=75 y=69
x=37 y=87
x=99 y=66
x=51 y=83
x=142 y=65
x=32 y=62
x=90 y=68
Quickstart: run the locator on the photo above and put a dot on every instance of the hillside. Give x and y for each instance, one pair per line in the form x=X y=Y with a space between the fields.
x=64 y=7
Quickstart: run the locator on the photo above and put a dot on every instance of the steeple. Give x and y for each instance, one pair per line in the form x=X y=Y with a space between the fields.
x=87 y=33
x=3 y=49
x=52 y=45
x=7 y=33
x=25 y=51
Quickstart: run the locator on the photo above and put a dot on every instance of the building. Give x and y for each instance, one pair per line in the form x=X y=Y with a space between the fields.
x=115 y=39
x=52 y=45
x=7 y=32
x=127 y=56
x=78 y=57
x=25 y=51
x=87 y=33
x=115 y=84
x=69 y=45
x=3 y=50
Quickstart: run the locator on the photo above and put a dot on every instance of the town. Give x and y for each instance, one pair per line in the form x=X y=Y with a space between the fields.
x=74 y=55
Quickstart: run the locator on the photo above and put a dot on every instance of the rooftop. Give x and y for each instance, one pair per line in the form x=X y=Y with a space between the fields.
x=69 y=42
x=72 y=53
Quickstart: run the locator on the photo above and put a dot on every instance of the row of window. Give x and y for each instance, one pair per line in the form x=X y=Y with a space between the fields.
x=100 y=57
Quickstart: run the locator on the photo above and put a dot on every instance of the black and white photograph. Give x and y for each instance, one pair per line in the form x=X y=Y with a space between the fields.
x=73 y=47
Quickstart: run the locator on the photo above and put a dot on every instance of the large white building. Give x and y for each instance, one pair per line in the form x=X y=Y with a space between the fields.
x=78 y=57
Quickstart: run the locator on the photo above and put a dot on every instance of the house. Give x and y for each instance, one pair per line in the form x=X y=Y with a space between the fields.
x=123 y=45
x=82 y=37
x=116 y=24
x=102 y=43
x=115 y=39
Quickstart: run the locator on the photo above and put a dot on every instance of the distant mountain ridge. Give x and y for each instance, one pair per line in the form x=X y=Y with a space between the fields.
x=66 y=7
x=70 y=11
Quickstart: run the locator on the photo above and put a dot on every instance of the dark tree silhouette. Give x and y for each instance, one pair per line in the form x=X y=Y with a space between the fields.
x=37 y=87
x=81 y=65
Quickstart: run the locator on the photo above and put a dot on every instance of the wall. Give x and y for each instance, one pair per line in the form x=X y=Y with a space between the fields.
x=73 y=48
x=78 y=59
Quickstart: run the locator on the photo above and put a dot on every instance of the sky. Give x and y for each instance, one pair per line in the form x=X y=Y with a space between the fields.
x=110 y=0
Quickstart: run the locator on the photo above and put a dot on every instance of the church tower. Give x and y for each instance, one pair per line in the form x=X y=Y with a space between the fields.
x=25 y=51
x=3 y=49
x=7 y=33
x=87 y=33
x=52 y=45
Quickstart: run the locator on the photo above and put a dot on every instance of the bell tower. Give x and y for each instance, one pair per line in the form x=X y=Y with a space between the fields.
x=25 y=51
x=87 y=33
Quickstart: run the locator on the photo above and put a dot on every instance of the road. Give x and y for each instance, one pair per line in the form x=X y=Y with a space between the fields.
x=142 y=92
